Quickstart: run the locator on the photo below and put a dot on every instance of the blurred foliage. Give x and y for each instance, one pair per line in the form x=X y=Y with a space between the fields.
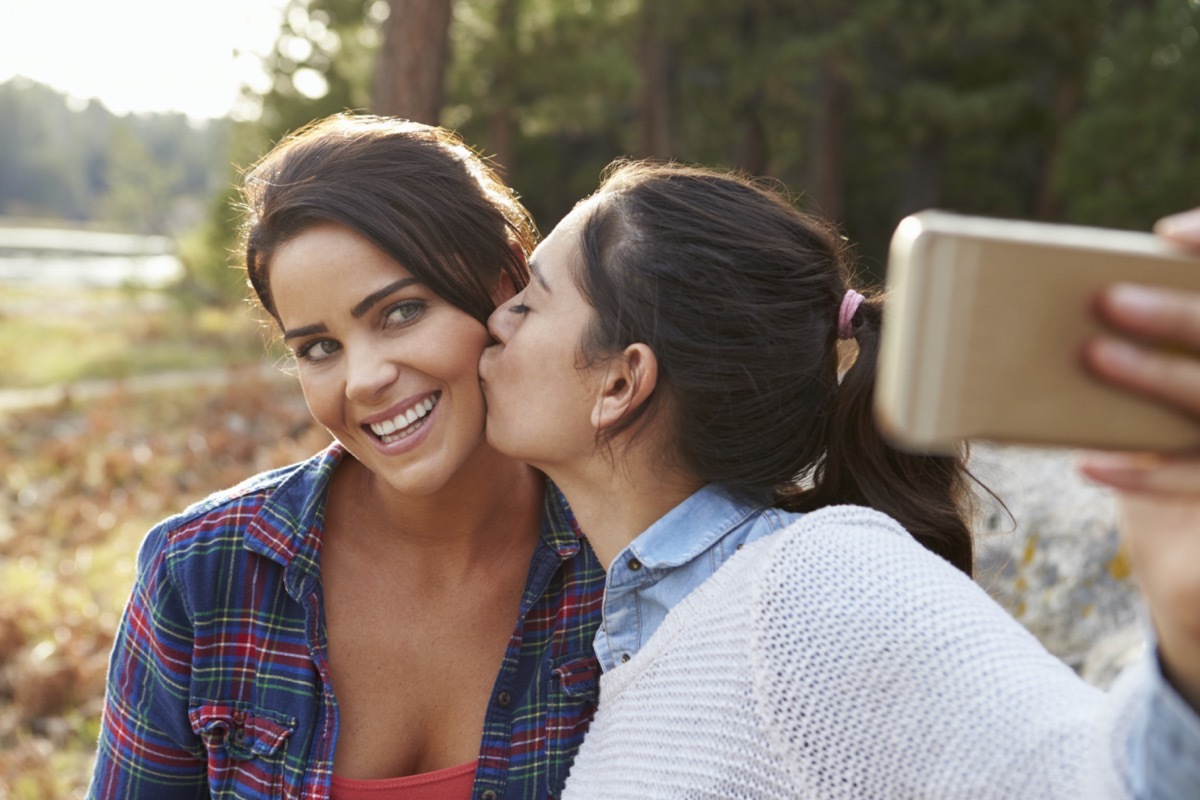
x=144 y=173
x=79 y=487
x=1075 y=110
x=321 y=64
x=83 y=478
x=1123 y=167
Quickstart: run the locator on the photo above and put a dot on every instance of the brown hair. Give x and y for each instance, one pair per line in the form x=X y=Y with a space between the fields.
x=415 y=191
x=737 y=292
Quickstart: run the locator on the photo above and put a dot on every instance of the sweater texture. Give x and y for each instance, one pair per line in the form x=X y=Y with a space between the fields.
x=841 y=659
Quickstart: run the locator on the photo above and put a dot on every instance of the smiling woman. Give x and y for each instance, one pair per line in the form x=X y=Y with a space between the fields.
x=307 y=633
x=387 y=366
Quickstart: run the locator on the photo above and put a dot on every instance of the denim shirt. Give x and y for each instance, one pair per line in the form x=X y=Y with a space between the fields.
x=689 y=544
x=671 y=558
x=1165 y=742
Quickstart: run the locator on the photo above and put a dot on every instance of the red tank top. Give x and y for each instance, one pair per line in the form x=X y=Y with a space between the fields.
x=452 y=783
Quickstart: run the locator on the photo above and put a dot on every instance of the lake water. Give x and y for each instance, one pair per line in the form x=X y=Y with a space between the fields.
x=70 y=257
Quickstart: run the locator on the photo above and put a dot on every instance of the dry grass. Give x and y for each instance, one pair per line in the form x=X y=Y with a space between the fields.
x=53 y=336
x=79 y=486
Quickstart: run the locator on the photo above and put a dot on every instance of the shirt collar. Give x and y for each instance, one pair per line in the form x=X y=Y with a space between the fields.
x=287 y=528
x=560 y=531
x=692 y=527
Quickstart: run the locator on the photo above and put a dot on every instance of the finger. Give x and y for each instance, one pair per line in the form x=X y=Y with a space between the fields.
x=1183 y=228
x=1163 y=376
x=1144 y=473
x=1169 y=315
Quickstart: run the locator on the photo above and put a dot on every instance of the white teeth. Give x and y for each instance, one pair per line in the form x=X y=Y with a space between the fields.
x=401 y=421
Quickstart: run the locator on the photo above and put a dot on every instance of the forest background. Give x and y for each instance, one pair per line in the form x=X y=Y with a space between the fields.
x=1080 y=111
x=1068 y=110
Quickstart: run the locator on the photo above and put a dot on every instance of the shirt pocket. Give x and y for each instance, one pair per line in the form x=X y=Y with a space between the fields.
x=574 y=693
x=245 y=748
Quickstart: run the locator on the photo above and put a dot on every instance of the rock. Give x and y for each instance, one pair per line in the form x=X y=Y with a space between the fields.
x=1056 y=563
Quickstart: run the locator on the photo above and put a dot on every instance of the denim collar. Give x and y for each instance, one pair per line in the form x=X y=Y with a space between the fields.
x=692 y=527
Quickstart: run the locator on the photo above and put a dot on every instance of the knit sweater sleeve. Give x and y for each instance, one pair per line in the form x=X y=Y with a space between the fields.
x=880 y=670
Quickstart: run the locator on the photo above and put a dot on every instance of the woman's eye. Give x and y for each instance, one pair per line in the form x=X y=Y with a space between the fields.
x=519 y=308
x=317 y=350
x=404 y=312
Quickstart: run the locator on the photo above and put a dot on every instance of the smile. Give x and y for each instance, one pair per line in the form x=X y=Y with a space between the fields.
x=406 y=422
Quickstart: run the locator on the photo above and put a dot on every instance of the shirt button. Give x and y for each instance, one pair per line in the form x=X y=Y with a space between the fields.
x=489 y=795
x=504 y=699
x=634 y=564
x=624 y=657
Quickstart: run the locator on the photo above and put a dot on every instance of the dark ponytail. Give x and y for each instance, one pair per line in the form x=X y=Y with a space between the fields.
x=737 y=292
x=927 y=494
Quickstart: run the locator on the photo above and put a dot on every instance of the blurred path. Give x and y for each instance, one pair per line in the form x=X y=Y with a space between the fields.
x=21 y=399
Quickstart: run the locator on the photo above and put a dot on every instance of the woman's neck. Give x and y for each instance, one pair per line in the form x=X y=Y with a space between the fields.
x=492 y=504
x=615 y=504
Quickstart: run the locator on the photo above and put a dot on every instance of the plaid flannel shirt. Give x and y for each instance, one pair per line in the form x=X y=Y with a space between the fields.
x=219 y=683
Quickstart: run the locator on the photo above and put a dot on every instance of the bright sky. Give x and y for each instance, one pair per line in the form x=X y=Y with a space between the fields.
x=141 y=55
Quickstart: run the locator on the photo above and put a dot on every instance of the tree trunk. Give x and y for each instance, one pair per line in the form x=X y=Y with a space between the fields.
x=501 y=122
x=826 y=166
x=656 y=65
x=411 y=68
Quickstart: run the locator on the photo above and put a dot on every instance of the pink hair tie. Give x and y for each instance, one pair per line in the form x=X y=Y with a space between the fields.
x=851 y=300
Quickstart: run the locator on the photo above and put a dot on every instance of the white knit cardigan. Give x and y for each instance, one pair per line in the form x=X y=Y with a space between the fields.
x=840 y=659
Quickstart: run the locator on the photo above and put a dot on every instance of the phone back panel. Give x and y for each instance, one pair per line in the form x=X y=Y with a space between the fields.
x=984 y=329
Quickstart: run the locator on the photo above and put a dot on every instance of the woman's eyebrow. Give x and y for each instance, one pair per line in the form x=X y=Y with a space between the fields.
x=363 y=307
x=306 y=330
x=374 y=297
x=538 y=276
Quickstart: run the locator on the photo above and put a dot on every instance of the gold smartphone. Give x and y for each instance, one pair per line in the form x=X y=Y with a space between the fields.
x=984 y=324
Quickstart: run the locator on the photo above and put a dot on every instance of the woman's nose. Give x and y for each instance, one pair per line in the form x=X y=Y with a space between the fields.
x=369 y=371
x=498 y=324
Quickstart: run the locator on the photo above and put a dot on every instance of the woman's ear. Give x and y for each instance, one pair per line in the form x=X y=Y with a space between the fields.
x=629 y=380
x=503 y=290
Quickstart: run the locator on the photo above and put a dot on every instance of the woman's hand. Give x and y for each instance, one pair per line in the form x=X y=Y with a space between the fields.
x=1159 y=494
